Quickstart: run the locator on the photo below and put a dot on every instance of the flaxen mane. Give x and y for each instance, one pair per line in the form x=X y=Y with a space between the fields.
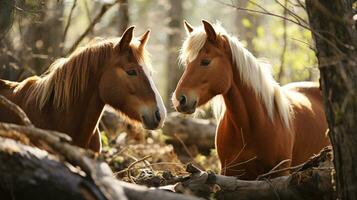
x=66 y=79
x=254 y=73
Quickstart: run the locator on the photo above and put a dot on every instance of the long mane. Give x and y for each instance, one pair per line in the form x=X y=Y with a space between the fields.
x=254 y=73
x=67 y=78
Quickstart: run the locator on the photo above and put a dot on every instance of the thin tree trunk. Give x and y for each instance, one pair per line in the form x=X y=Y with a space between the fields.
x=44 y=36
x=281 y=73
x=246 y=25
x=336 y=45
x=175 y=35
x=123 y=15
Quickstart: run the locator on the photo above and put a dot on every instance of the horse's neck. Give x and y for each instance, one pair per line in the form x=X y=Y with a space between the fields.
x=244 y=108
x=86 y=111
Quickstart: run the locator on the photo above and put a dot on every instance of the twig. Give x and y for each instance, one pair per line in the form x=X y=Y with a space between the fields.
x=68 y=24
x=316 y=33
x=17 y=110
x=291 y=13
x=244 y=162
x=118 y=153
x=151 y=164
x=265 y=12
x=280 y=170
x=280 y=164
x=97 y=18
x=134 y=163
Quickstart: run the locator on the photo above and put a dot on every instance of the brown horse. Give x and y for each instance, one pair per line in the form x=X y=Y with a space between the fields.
x=71 y=95
x=262 y=125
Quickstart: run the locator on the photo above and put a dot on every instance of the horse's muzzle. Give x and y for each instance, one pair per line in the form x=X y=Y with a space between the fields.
x=185 y=105
x=151 y=120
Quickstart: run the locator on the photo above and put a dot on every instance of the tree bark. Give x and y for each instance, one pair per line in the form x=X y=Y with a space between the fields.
x=175 y=36
x=336 y=49
x=31 y=173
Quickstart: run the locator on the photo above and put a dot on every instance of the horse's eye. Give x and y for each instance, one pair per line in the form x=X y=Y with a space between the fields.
x=132 y=72
x=205 y=62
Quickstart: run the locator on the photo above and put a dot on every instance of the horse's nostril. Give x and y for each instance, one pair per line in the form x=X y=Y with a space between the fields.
x=182 y=100
x=195 y=103
x=157 y=115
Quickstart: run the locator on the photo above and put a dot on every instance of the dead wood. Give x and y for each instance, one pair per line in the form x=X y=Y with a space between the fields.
x=97 y=172
x=198 y=132
x=30 y=173
x=17 y=110
x=312 y=181
x=192 y=132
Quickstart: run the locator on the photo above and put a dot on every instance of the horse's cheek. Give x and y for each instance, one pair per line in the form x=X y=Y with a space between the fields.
x=107 y=87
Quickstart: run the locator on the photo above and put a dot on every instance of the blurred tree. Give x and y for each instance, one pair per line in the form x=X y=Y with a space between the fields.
x=247 y=24
x=123 y=15
x=6 y=19
x=43 y=36
x=285 y=41
x=6 y=15
x=121 y=18
x=175 y=35
x=335 y=37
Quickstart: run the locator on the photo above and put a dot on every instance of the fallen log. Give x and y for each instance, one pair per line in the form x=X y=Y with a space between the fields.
x=30 y=173
x=198 y=132
x=85 y=162
x=190 y=131
x=312 y=181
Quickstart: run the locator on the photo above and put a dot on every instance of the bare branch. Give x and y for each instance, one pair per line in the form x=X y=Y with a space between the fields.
x=97 y=18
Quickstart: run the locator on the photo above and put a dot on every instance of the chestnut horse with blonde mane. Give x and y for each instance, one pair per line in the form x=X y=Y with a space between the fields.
x=262 y=126
x=71 y=95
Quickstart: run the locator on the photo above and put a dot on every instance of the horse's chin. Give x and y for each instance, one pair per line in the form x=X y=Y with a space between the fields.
x=185 y=110
x=150 y=125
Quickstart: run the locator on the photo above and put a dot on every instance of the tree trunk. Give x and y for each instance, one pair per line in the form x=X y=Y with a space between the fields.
x=44 y=37
x=336 y=49
x=246 y=25
x=123 y=15
x=175 y=35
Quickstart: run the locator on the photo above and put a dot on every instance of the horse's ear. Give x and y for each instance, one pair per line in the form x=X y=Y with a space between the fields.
x=211 y=33
x=188 y=27
x=125 y=39
x=144 y=38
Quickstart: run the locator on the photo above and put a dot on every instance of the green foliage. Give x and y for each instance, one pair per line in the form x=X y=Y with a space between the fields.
x=105 y=141
x=246 y=23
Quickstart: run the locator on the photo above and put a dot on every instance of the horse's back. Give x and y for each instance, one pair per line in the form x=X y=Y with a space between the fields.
x=309 y=120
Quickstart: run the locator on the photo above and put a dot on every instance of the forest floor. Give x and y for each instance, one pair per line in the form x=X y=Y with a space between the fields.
x=145 y=157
